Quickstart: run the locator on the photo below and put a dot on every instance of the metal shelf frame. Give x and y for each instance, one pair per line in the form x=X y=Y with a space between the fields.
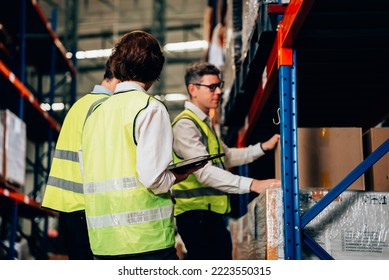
x=281 y=67
x=293 y=221
x=39 y=47
x=24 y=206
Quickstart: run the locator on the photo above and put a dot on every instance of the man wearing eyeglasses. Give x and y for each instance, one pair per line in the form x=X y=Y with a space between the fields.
x=202 y=200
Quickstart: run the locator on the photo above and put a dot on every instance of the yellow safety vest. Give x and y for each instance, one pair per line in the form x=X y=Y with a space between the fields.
x=123 y=216
x=64 y=190
x=191 y=194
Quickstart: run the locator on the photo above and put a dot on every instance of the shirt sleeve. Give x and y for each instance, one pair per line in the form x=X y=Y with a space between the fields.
x=239 y=156
x=154 y=136
x=188 y=144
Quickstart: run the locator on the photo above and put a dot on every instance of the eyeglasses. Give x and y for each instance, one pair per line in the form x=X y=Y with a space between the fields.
x=212 y=87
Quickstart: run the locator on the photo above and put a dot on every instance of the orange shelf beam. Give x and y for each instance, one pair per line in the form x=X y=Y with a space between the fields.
x=294 y=16
x=24 y=92
x=19 y=198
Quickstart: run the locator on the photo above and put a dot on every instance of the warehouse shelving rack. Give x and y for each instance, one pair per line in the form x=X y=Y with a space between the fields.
x=34 y=44
x=326 y=68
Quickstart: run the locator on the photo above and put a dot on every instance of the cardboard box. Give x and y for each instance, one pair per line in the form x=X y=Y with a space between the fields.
x=14 y=149
x=240 y=240
x=326 y=156
x=355 y=226
x=377 y=178
x=258 y=235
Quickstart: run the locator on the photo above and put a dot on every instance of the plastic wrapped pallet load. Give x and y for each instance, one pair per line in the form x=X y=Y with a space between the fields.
x=354 y=226
x=14 y=149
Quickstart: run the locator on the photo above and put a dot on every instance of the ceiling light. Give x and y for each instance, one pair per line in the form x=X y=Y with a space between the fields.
x=169 y=47
x=186 y=46
x=91 y=54
x=175 y=97
x=55 y=106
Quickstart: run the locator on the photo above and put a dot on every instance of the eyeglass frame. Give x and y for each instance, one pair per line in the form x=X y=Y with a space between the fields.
x=210 y=87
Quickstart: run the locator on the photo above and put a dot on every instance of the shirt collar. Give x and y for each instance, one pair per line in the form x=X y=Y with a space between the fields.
x=101 y=89
x=202 y=116
x=127 y=86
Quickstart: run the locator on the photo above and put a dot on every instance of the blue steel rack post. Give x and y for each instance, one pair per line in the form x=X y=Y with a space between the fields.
x=289 y=161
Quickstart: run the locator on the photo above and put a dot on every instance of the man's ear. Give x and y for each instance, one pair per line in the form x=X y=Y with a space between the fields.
x=191 y=89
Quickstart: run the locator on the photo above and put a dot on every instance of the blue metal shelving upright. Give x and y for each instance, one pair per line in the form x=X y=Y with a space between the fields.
x=289 y=161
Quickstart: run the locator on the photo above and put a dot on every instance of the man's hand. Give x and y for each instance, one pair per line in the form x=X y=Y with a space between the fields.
x=259 y=186
x=271 y=143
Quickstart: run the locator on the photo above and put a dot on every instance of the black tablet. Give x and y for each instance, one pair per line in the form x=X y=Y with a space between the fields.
x=182 y=166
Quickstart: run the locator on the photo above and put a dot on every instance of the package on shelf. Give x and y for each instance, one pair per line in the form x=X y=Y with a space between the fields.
x=229 y=67
x=14 y=148
x=233 y=32
x=261 y=234
x=228 y=72
x=241 y=241
x=232 y=49
x=377 y=177
x=249 y=17
x=353 y=226
x=326 y=155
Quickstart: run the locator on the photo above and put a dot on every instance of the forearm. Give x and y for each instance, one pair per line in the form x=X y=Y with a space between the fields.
x=240 y=156
x=223 y=180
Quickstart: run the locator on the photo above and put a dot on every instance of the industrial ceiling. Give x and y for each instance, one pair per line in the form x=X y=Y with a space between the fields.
x=97 y=24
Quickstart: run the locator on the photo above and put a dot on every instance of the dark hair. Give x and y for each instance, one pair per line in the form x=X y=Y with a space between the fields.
x=137 y=56
x=195 y=71
x=108 y=75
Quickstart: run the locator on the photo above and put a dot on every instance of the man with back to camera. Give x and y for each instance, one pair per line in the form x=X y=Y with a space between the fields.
x=202 y=199
x=64 y=192
x=126 y=149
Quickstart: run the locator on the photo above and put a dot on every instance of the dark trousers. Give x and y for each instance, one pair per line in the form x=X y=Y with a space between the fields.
x=205 y=235
x=75 y=235
x=164 y=254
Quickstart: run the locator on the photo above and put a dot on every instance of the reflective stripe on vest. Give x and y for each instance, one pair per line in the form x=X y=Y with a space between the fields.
x=62 y=183
x=66 y=155
x=191 y=194
x=65 y=185
x=64 y=191
x=130 y=218
x=123 y=216
x=110 y=185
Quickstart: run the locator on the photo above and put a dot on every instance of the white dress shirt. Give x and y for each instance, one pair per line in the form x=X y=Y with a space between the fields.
x=187 y=144
x=154 y=136
x=101 y=89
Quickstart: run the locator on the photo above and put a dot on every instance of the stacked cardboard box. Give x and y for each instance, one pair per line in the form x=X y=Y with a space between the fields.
x=259 y=233
x=377 y=178
x=240 y=242
x=353 y=226
x=13 y=149
x=326 y=156
x=250 y=10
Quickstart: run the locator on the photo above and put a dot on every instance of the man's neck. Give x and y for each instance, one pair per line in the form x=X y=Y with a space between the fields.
x=205 y=110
